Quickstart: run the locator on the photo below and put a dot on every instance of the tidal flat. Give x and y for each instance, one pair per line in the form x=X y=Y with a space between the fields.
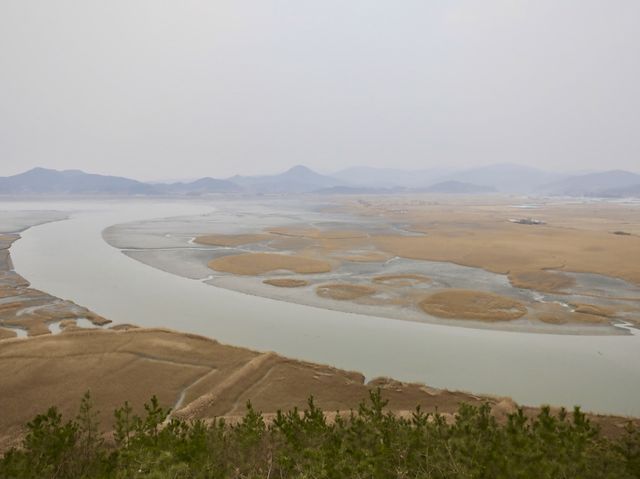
x=551 y=276
x=57 y=350
x=595 y=370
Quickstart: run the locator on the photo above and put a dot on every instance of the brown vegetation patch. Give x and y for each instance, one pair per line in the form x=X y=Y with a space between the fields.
x=554 y=313
x=571 y=317
x=294 y=231
x=124 y=327
x=212 y=379
x=314 y=233
x=576 y=237
x=476 y=305
x=594 y=310
x=96 y=319
x=230 y=240
x=7 y=333
x=289 y=243
x=260 y=263
x=9 y=292
x=551 y=282
x=401 y=280
x=344 y=291
x=286 y=282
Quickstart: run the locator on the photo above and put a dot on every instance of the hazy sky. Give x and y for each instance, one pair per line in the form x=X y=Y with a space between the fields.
x=173 y=89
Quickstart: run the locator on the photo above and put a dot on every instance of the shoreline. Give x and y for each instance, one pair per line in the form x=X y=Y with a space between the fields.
x=222 y=369
x=514 y=326
x=422 y=360
x=549 y=312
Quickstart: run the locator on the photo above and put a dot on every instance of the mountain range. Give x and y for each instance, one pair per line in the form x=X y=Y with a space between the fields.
x=500 y=178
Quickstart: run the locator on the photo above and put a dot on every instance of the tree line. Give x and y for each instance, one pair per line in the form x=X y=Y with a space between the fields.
x=369 y=442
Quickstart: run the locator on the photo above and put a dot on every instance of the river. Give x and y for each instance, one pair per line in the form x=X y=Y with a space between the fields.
x=71 y=260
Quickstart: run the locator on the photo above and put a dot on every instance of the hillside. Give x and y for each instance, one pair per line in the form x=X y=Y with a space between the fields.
x=501 y=178
x=298 y=179
x=41 y=181
x=607 y=183
x=458 y=187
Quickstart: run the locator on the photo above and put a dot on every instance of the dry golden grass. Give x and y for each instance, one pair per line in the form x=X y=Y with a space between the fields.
x=293 y=231
x=261 y=263
x=314 y=233
x=401 y=280
x=512 y=247
x=8 y=292
x=6 y=334
x=344 y=292
x=123 y=327
x=286 y=282
x=231 y=240
x=197 y=376
x=476 y=305
x=477 y=233
x=568 y=317
x=594 y=310
x=290 y=243
x=470 y=232
x=368 y=257
x=216 y=380
x=551 y=282
x=554 y=313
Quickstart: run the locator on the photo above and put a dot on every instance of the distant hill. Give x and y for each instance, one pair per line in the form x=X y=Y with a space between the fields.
x=365 y=176
x=41 y=181
x=199 y=187
x=357 y=180
x=626 y=192
x=359 y=190
x=458 y=187
x=298 y=179
x=606 y=183
x=506 y=177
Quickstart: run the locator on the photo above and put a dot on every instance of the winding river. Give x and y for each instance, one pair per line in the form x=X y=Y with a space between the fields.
x=70 y=259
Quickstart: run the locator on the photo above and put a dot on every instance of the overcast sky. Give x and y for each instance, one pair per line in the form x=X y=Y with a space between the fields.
x=177 y=89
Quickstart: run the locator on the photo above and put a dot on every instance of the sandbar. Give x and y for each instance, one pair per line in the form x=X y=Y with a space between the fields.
x=230 y=240
x=475 y=305
x=344 y=292
x=259 y=263
x=286 y=282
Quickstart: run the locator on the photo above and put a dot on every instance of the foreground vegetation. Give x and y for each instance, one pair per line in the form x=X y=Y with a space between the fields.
x=367 y=443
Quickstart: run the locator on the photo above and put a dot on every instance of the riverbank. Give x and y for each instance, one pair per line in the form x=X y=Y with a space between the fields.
x=255 y=247
x=541 y=368
x=197 y=377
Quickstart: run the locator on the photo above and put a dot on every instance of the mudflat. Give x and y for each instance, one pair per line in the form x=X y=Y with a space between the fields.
x=409 y=247
x=197 y=377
